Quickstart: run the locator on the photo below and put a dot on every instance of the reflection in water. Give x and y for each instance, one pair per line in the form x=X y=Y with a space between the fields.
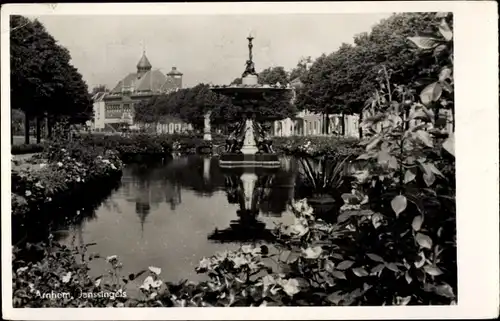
x=248 y=191
x=173 y=214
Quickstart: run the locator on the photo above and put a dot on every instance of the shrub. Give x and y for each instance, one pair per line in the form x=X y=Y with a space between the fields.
x=26 y=149
x=317 y=146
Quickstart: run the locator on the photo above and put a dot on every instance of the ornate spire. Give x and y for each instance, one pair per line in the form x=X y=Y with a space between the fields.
x=250 y=67
x=143 y=65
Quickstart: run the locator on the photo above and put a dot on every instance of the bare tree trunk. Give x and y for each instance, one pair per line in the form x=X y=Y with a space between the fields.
x=38 y=129
x=26 y=128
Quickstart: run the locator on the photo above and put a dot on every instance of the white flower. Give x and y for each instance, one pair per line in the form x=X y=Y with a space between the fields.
x=146 y=285
x=105 y=161
x=112 y=258
x=312 y=252
x=39 y=185
x=27 y=193
x=250 y=249
x=204 y=264
x=156 y=284
x=59 y=164
x=291 y=287
x=299 y=228
x=66 y=277
x=239 y=261
x=43 y=165
x=149 y=283
x=63 y=150
x=78 y=179
x=155 y=270
x=113 y=166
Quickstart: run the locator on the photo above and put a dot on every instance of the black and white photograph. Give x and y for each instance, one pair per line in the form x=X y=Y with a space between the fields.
x=177 y=159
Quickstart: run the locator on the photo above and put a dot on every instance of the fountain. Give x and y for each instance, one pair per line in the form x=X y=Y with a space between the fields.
x=249 y=144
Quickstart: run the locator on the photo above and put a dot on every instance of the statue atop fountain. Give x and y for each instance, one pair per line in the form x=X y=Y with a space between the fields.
x=249 y=143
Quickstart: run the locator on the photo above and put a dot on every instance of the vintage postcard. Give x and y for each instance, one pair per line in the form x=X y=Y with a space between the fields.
x=250 y=161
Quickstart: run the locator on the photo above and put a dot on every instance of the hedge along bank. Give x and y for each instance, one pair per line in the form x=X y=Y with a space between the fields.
x=318 y=146
x=48 y=182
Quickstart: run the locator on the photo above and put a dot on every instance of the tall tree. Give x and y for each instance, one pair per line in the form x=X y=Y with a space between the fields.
x=43 y=82
x=343 y=80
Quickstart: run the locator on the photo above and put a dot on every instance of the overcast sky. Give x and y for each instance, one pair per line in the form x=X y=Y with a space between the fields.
x=206 y=48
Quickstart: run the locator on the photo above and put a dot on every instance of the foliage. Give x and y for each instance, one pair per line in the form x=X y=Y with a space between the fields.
x=343 y=80
x=192 y=104
x=26 y=149
x=273 y=75
x=61 y=170
x=324 y=176
x=328 y=147
x=42 y=78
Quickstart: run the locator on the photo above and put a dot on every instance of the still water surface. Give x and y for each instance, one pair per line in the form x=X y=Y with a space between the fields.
x=166 y=215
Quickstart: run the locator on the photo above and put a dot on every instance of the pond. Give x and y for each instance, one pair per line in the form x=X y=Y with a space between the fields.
x=173 y=214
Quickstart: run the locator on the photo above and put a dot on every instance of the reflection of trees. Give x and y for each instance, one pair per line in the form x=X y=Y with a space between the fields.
x=73 y=213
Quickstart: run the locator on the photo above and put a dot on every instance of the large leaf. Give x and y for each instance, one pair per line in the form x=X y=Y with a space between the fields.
x=431 y=93
x=375 y=257
x=432 y=270
x=444 y=290
x=423 y=240
x=425 y=42
x=339 y=275
x=439 y=50
x=359 y=272
x=445 y=30
x=344 y=265
x=449 y=144
x=424 y=137
x=417 y=223
x=373 y=142
x=409 y=175
x=429 y=175
x=398 y=204
x=445 y=74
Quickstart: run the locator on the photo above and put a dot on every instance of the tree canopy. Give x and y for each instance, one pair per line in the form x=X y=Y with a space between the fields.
x=43 y=81
x=343 y=80
x=191 y=104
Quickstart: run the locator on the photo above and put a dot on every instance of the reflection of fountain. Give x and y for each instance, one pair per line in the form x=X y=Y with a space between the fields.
x=246 y=190
x=249 y=144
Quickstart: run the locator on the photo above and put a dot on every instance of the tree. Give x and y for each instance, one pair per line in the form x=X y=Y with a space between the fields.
x=43 y=82
x=342 y=81
x=300 y=70
x=99 y=89
x=273 y=75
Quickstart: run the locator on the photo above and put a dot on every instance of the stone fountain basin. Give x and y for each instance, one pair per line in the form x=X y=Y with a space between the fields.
x=249 y=160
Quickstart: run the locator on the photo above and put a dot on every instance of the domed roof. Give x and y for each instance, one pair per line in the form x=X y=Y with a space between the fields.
x=144 y=63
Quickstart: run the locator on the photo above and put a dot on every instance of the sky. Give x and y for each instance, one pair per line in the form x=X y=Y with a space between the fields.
x=205 y=48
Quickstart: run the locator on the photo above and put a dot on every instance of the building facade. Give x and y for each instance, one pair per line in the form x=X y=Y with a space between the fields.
x=116 y=107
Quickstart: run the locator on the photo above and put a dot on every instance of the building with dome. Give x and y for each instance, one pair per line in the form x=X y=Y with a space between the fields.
x=115 y=108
